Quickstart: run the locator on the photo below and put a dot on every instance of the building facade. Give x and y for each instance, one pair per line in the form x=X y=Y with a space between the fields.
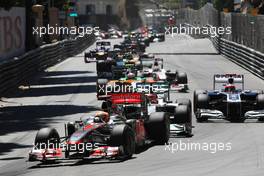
x=98 y=12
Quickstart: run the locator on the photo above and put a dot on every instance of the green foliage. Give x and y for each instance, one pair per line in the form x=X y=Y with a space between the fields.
x=172 y=4
x=218 y=4
x=200 y=3
x=221 y=4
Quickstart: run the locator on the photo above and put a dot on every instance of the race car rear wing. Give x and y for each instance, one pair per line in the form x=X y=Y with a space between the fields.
x=156 y=87
x=127 y=98
x=159 y=60
x=223 y=78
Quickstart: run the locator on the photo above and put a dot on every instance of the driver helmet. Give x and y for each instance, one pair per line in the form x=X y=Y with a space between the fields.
x=103 y=116
x=230 y=87
x=130 y=75
x=156 y=63
x=231 y=80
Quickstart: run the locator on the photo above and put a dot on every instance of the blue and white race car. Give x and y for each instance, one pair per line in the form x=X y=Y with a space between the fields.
x=230 y=101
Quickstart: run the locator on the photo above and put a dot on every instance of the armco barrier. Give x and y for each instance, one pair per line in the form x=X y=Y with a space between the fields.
x=246 y=57
x=242 y=55
x=19 y=70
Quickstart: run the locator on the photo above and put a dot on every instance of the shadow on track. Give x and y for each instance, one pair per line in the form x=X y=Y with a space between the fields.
x=190 y=54
x=65 y=80
x=57 y=83
x=55 y=90
x=64 y=73
x=62 y=163
x=12 y=158
x=8 y=147
x=27 y=118
x=79 y=162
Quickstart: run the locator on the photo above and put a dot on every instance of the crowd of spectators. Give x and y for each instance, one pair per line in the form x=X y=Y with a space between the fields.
x=247 y=6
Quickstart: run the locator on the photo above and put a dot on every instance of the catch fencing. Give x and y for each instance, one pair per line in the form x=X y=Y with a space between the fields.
x=244 y=46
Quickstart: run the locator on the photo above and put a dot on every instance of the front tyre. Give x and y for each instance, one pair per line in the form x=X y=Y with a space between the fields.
x=158 y=127
x=124 y=136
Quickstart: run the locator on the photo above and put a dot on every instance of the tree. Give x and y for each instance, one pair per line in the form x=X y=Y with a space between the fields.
x=221 y=4
x=200 y=3
x=8 y=4
x=170 y=4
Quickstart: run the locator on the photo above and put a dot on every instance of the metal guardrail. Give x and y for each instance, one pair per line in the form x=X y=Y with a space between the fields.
x=246 y=57
x=243 y=47
x=246 y=29
x=19 y=70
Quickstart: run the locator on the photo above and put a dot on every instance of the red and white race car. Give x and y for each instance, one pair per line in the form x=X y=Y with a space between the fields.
x=107 y=136
x=153 y=67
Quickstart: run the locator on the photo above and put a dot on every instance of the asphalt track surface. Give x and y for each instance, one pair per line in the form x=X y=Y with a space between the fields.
x=66 y=92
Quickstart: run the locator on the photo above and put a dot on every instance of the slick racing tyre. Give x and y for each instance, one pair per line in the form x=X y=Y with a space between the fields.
x=86 y=56
x=182 y=114
x=124 y=136
x=182 y=78
x=185 y=101
x=158 y=127
x=260 y=104
x=195 y=96
x=47 y=136
x=260 y=101
x=202 y=102
x=101 y=86
x=70 y=127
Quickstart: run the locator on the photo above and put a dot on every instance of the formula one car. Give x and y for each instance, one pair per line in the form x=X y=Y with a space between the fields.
x=153 y=126
x=104 y=68
x=154 y=67
x=132 y=43
x=95 y=137
x=231 y=101
x=99 y=53
x=180 y=111
x=129 y=80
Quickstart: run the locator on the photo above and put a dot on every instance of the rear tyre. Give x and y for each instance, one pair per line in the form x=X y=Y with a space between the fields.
x=70 y=128
x=185 y=101
x=123 y=135
x=101 y=86
x=87 y=55
x=182 y=78
x=158 y=127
